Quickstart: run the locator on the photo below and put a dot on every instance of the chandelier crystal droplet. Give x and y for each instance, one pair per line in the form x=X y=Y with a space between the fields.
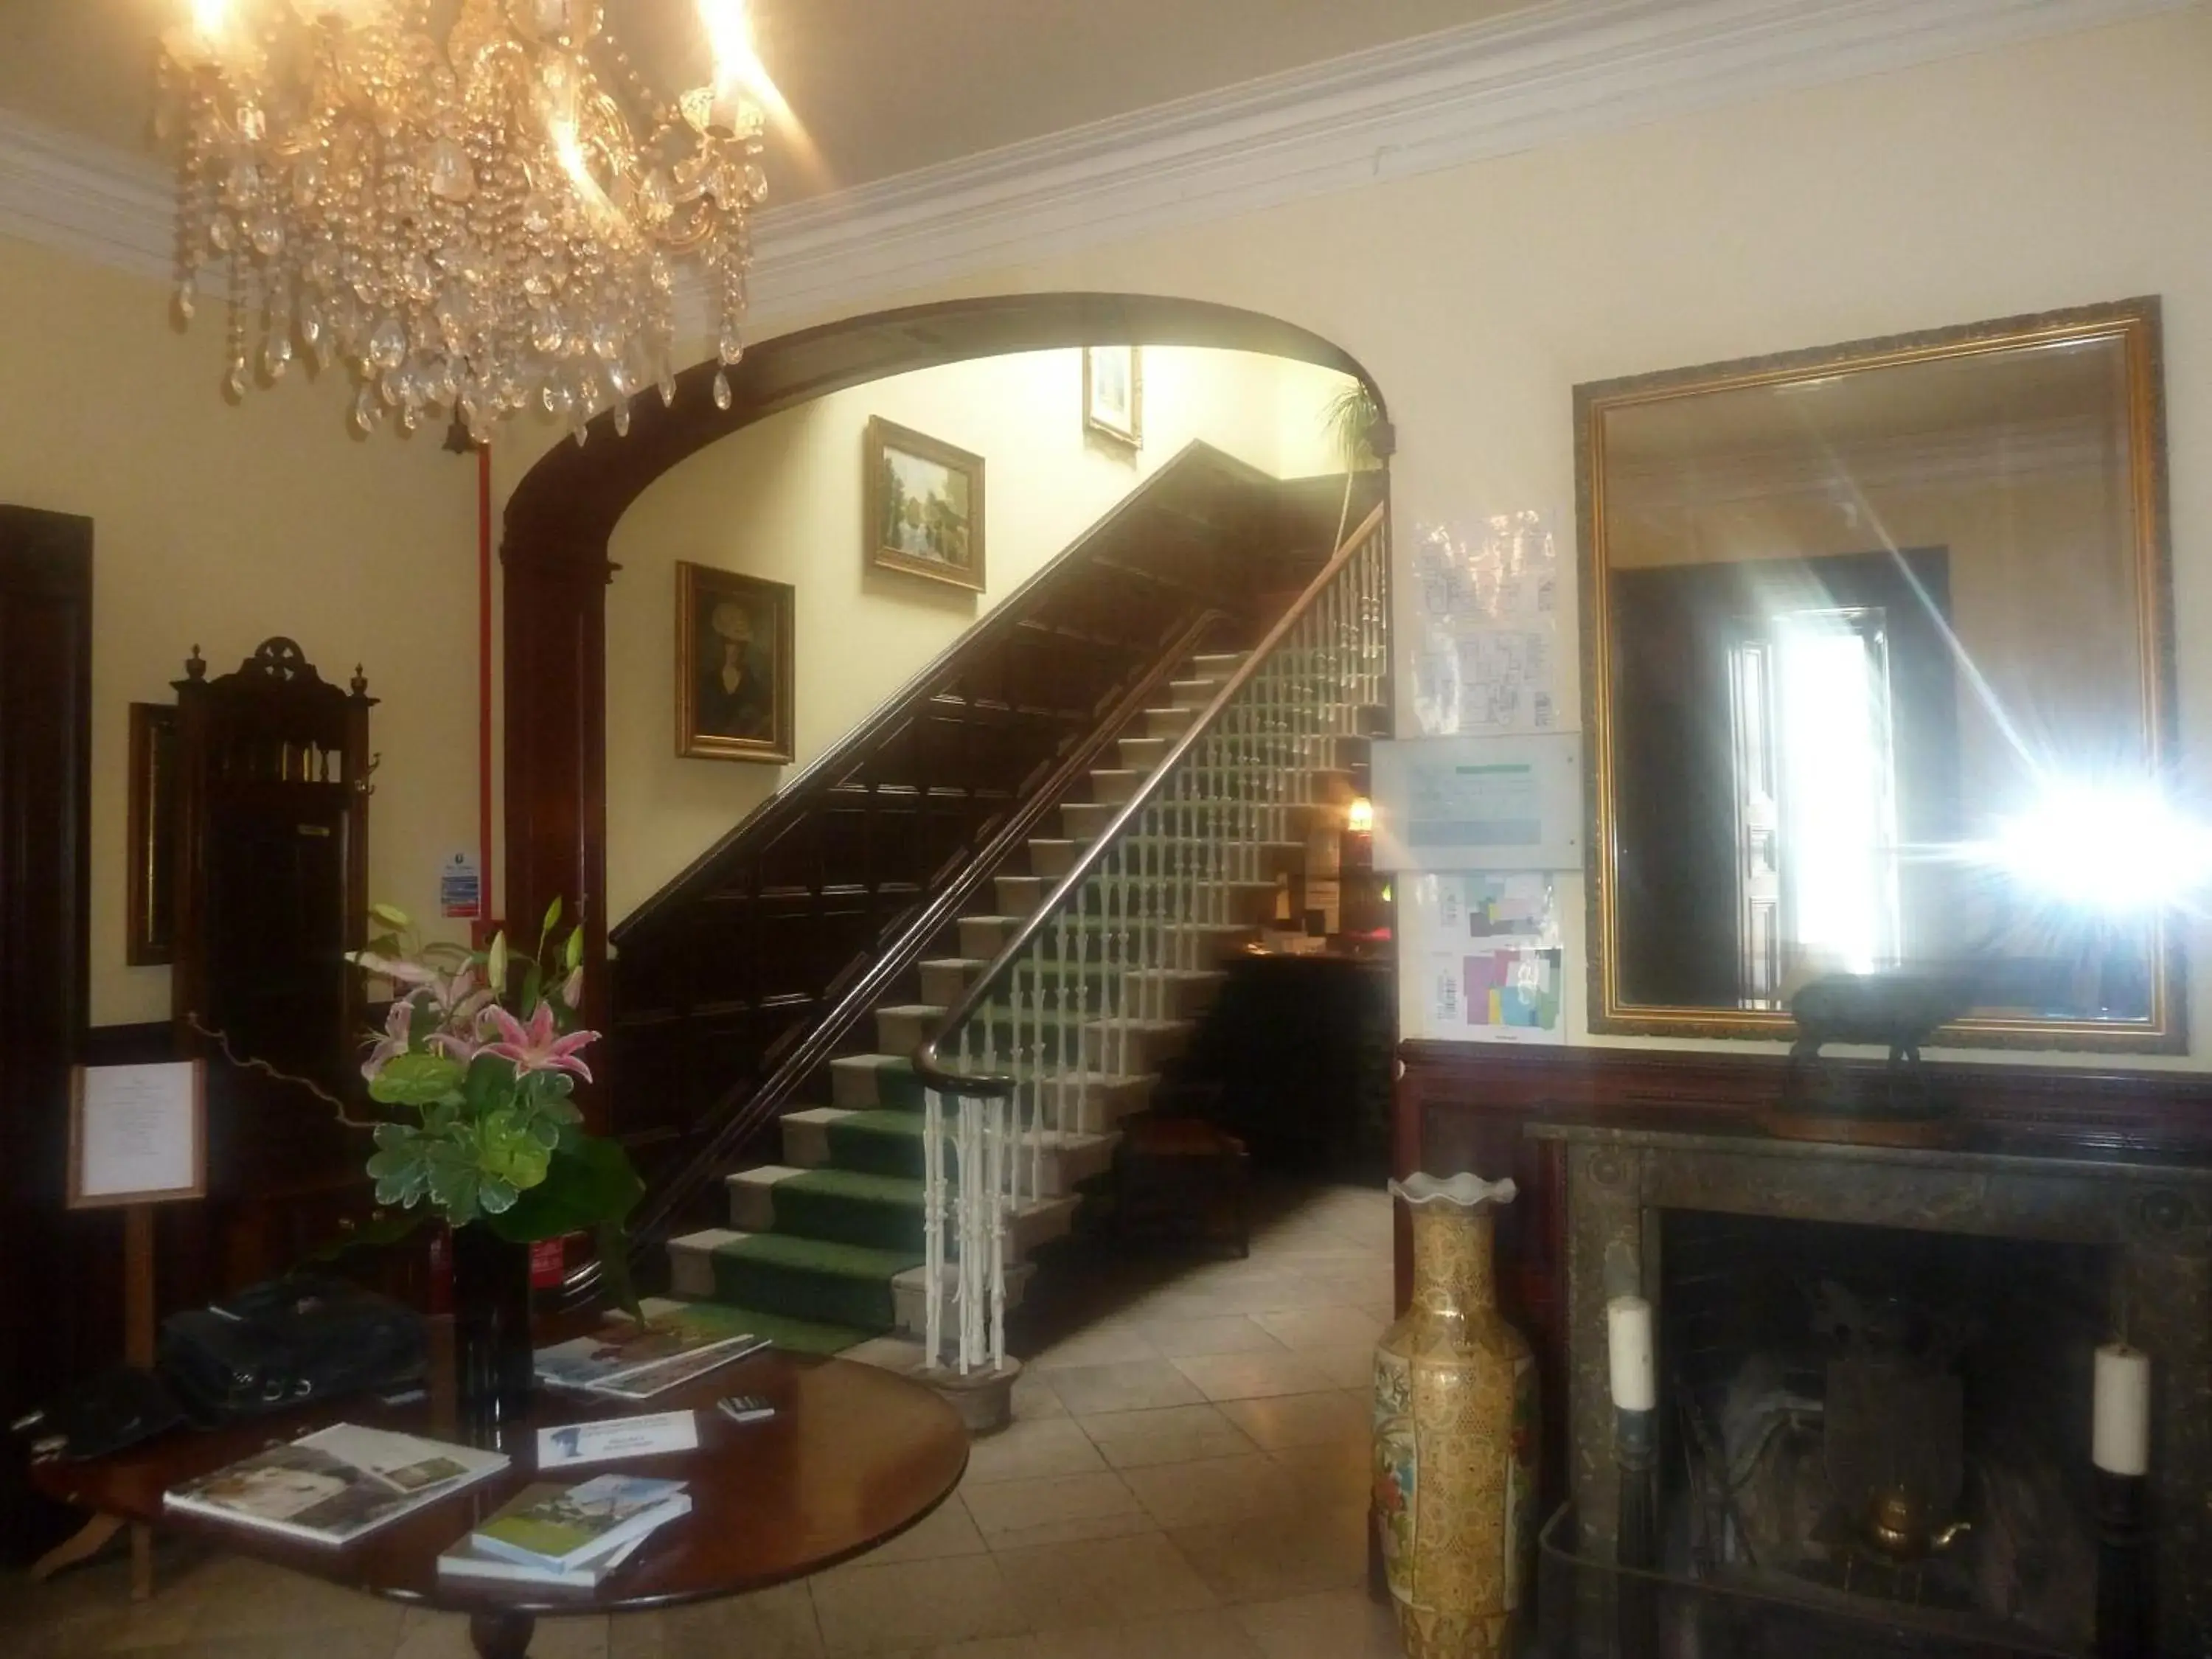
x=474 y=225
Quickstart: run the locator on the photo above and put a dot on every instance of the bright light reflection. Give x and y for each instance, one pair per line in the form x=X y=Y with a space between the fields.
x=2113 y=846
x=209 y=18
x=1838 y=839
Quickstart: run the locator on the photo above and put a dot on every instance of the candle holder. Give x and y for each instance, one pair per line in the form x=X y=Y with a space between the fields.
x=1635 y=1454
x=2123 y=1561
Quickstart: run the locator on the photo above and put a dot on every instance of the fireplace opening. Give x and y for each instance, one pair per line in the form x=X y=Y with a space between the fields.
x=1870 y=1417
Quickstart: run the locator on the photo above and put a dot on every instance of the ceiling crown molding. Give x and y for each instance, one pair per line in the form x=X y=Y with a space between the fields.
x=1490 y=88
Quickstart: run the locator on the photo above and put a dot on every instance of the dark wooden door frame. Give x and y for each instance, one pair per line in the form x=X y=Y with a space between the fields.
x=563 y=513
x=46 y=771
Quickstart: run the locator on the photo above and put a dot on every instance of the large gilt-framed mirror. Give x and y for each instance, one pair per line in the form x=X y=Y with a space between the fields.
x=1877 y=676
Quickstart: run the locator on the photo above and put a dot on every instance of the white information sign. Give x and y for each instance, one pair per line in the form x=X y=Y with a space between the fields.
x=1499 y=803
x=138 y=1134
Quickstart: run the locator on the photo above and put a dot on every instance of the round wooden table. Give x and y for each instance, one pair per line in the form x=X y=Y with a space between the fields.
x=854 y=1456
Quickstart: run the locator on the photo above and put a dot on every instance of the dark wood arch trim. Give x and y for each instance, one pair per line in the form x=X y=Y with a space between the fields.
x=563 y=514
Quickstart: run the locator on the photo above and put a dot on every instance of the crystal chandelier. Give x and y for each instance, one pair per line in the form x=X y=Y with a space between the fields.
x=473 y=222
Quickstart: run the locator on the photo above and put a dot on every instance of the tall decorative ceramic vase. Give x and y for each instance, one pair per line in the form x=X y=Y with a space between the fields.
x=1455 y=1434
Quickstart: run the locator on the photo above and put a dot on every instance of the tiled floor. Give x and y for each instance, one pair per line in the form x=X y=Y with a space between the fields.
x=1186 y=1479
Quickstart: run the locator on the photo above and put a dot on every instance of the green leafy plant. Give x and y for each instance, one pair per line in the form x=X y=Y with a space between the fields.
x=1349 y=418
x=478 y=1062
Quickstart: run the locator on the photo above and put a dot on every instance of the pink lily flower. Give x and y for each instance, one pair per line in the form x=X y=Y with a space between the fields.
x=397 y=1026
x=538 y=1047
x=401 y=970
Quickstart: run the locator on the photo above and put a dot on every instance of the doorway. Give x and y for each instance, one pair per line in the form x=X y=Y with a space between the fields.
x=46 y=765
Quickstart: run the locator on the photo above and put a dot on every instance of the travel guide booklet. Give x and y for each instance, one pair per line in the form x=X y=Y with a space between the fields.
x=466 y=1559
x=334 y=1485
x=565 y=1527
x=622 y=1347
x=659 y=1379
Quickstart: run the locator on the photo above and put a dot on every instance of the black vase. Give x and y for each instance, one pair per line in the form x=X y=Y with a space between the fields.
x=491 y=1329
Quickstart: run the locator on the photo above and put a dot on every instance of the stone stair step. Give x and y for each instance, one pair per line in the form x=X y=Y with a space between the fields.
x=945 y=980
x=1170 y=722
x=985 y=936
x=910 y=1294
x=1173 y=992
x=804 y=1279
x=1193 y=692
x=889 y=1143
x=1141 y=754
x=1114 y=784
x=1052 y=857
x=794 y=1335
x=1020 y=896
x=1219 y=665
x=849 y=1207
x=1085 y=820
x=863 y=1082
x=902 y=1027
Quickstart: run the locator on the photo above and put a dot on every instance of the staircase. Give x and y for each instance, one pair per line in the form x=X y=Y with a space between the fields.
x=1065 y=998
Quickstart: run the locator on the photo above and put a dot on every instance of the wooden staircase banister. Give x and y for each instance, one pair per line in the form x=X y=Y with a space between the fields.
x=746 y=1112
x=902 y=705
x=928 y=1058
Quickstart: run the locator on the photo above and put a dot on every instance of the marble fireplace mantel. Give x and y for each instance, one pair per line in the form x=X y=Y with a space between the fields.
x=2155 y=1220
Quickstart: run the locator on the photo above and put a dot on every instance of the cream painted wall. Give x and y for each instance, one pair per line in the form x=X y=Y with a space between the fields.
x=218 y=526
x=782 y=500
x=2057 y=173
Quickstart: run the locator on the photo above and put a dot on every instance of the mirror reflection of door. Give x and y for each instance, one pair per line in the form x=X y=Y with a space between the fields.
x=1775 y=683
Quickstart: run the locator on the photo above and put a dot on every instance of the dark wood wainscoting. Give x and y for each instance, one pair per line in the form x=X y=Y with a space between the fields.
x=1463 y=1106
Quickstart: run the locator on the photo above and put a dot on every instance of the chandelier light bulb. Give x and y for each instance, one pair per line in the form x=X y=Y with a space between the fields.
x=469 y=218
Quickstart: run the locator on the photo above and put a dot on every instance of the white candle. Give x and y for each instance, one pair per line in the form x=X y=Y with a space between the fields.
x=2121 y=1443
x=1628 y=1341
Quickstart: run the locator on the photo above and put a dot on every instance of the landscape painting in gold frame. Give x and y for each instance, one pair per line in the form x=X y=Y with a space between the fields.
x=924 y=506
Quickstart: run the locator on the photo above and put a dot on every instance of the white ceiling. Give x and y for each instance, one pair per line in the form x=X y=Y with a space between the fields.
x=882 y=87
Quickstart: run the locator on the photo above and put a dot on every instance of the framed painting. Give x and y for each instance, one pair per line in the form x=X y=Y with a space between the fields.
x=733 y=666
x=1114 y=394
x=924 y=506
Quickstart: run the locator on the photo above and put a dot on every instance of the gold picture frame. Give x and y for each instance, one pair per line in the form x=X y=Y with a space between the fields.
x=735 y=646
x=1113 y=394
x=925 y=513
x=2132 y=329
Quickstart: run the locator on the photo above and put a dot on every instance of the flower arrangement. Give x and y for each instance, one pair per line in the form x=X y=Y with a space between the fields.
x=479 y=1058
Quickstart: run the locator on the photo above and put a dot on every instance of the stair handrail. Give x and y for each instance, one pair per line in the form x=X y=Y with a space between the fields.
x=746 y=1111
x=1008 y=613
x=928 y=1059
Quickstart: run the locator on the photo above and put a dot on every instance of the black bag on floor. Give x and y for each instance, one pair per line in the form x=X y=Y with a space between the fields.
x=287 y=1342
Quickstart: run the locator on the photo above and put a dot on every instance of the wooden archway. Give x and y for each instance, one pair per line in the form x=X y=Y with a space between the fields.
x=563 y=513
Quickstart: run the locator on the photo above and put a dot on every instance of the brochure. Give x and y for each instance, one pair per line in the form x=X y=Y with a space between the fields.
x=566 y=1526
x=619 y=1437
x=620 y=1348
x=466 y=1560
x=334 y=1485
x=658 y=1379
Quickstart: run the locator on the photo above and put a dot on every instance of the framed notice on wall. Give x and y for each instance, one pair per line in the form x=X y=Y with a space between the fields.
x=1493 y=802
x=138 y=1134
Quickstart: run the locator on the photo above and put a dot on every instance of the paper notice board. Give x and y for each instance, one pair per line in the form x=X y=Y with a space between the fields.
x=138 y=1134
x=1487 y=803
